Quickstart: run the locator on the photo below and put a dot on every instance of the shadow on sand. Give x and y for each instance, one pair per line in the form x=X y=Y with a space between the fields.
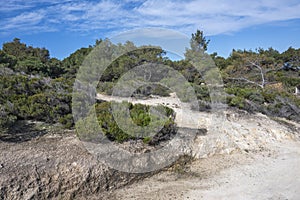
x=22 y=131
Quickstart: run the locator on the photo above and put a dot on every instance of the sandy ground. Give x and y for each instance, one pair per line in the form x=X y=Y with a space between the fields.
x=247 y=157
x=265 y=178
x=271 y=173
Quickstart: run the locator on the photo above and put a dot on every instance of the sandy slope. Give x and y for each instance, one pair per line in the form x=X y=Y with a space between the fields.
x=270 y=175
x=248 y=157
x=274 y=177
x=244 y=157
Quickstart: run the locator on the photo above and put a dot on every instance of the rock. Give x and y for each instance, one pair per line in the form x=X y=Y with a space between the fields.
x=55 y=168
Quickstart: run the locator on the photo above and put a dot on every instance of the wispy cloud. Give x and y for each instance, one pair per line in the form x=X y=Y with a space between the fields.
x=214 y=16
x=24 y=21
x=217 y=16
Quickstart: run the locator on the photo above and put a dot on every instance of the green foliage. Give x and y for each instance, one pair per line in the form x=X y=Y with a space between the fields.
x=276 y=96
x=6 y=118
x=290 y=55
x=245 y=92
x=237 y=102
x=36 y=87
x=41 y=99
x=290 y=82
x=30 y=86
x=15 y=48
x=21 y=51
x=66 y=120
x=72 y=63
x=139 y=114
x=202 y=92
x=105 y=87
x=106 y=121
x=269 y=95
x=7 y=60
x=220 y=62
x=198 y=41
x=127 y=61
x=31 y=65
x=29 y=60
x=152 y=89
x=147 y=140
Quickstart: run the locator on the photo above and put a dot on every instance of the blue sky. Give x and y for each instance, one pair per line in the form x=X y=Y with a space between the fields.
x=62 y=26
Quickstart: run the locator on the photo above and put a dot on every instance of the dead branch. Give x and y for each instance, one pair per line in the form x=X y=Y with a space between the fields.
x=262 y=73
x=248 y=81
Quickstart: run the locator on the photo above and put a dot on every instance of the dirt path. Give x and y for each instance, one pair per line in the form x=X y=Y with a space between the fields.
x=272 y=177
x=269 y=175
x=262 y=161
x=185 y=117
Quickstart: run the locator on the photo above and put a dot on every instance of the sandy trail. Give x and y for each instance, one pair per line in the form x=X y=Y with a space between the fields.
x=265 y=176
x=274 y=177
x=265 y=164
x=185 y=117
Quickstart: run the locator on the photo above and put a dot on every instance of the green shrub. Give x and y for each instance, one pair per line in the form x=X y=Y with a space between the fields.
x=146 y=140
x=140 y=116
x=6 y=118
x=237 y=102
x=67 y=121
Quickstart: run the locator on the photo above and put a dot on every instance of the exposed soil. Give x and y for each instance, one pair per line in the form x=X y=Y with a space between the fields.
x=242 y=157
x=55 y=166
x=272 y=175
x=245 y=157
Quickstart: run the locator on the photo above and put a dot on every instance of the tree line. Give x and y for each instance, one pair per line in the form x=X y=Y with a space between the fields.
x=35 y=86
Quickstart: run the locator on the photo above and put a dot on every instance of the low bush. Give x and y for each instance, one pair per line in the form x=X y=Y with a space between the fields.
x=140 y=116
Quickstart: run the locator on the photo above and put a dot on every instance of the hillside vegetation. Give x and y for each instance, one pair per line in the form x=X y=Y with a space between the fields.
x=36 y=87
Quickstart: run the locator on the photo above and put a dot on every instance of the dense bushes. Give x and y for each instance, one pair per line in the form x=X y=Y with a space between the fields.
x=34 y=86
x=6 y=117
x=264 y=81
x=268 y=101
x=141 y=118
x=43 y=99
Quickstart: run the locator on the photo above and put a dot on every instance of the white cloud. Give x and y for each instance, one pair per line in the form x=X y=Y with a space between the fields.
x=19 y=5
x=214 y=16
x=217 y=16
x=153 y=33
x=23 y=20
